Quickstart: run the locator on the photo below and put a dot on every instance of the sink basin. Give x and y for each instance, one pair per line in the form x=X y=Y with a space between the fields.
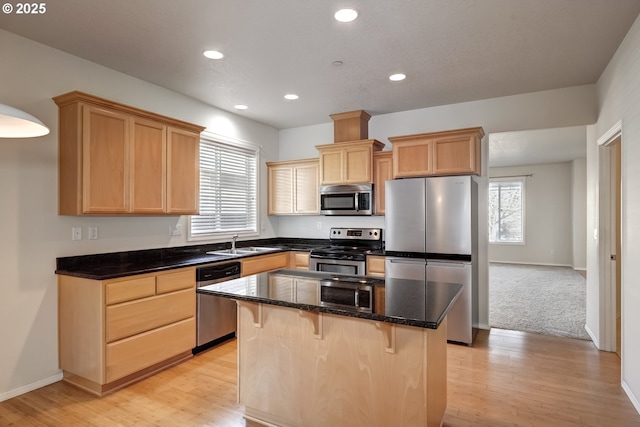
x=255 y=249
x=227 y=252
x=243 y=251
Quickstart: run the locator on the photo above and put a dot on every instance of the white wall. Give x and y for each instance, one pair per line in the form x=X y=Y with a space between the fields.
x=549 y=109
x=579 y=213
x=548 y=216
x=619 y=99
x=34 y=235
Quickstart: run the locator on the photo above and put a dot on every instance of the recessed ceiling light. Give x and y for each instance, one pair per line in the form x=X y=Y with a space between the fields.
x=346 y=15
x=240 y=107
x=397 y=77
x=213 y=54
x=291 y=96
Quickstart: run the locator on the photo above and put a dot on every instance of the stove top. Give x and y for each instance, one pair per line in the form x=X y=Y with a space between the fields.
x=350 y=244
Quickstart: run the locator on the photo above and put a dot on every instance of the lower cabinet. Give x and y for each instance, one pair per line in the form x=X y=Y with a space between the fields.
x=262 y=263
x=375 y=266
x=117 y=331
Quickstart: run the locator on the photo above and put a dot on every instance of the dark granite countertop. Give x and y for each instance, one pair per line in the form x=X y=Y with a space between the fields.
x=405 y=302
x=120 y=264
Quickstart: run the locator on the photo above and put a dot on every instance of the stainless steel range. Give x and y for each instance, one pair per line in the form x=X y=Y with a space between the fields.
x=348 y=251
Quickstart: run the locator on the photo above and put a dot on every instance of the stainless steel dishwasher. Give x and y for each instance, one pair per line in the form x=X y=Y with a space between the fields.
x=216 y=316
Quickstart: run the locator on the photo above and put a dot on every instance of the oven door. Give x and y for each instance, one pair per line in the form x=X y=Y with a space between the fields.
x=341 y=266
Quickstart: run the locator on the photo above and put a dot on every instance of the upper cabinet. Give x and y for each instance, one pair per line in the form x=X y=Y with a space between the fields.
x=455 y=152
x=293 y=187
x=382 y=171
x=347 y=162
x=115 y=159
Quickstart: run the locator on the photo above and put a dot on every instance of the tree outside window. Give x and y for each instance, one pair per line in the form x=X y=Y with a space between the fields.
x=506 y=210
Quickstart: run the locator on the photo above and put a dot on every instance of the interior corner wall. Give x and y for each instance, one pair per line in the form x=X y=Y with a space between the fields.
x=619 y=100
x=34 y=234
x=548 y=216
x=579 y=213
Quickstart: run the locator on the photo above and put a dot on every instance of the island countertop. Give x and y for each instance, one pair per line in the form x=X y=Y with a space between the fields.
x=400 y=301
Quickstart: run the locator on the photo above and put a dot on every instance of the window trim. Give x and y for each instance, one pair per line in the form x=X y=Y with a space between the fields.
x=224 y=236
x=522 y=180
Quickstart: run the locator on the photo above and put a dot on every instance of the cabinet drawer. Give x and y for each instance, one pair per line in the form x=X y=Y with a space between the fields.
x=375 y=266
x=176 y=281
x=130 y=318
x=128 y=290
x=259 y=264
x=133 y=354
x=300 y=260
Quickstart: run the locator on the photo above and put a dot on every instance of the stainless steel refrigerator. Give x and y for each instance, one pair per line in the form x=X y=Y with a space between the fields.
x=431 y=234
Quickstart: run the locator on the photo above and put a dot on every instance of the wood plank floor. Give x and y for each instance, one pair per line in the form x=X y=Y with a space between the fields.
x=506 y=379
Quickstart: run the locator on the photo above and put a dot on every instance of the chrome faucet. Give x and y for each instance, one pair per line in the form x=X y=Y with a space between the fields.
x=233 y=242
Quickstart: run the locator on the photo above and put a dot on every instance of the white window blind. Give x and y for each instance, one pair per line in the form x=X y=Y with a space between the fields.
x=506 y=211
x=228 y=187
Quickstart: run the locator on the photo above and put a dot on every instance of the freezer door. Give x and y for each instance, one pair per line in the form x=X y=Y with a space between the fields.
x=404 y=218
x=459 y=318
x=396 y=303
x=448 y=215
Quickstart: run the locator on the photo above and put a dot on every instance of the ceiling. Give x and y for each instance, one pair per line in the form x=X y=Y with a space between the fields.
x=451 y=51
x=537 y=146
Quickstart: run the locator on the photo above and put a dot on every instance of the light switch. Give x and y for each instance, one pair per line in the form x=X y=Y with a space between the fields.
x=93 y=233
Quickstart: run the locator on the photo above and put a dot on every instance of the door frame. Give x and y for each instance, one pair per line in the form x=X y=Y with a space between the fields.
x=607 y=237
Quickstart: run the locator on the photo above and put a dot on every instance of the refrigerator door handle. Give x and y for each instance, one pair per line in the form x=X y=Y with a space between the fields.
x=448 y=263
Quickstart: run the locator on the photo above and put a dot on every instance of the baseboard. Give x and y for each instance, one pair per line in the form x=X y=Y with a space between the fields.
x=530 y=263
x=631 y=396
x=481 y=326
x=30 y=387
x=593 y=336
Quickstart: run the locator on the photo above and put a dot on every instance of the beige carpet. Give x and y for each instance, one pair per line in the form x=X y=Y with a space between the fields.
x=545 y=300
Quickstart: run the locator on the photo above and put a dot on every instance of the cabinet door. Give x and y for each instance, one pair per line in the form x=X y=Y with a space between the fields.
x=183 y=172
x=306 y=199
x=105 y=157
x=412 y=159
x=280 y=189
x=456 y=155
x=331 y=166
x=357 y=164
x=382 y=171
x=148 y=166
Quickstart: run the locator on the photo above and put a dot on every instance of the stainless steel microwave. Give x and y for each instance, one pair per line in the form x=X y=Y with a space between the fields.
x=346 y=199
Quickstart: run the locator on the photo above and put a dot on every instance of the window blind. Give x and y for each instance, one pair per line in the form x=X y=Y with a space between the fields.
x=228 y=187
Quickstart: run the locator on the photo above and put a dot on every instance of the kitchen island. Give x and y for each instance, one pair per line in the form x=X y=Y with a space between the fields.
x=319 y=349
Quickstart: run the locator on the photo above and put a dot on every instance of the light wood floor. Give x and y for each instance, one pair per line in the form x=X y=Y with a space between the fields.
x=507 y=379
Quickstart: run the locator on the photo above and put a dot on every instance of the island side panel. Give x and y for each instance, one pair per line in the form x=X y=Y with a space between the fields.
x=302 y=368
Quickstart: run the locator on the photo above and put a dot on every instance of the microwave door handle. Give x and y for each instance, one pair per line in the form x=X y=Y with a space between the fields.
x=356 y=298
x=357 y=196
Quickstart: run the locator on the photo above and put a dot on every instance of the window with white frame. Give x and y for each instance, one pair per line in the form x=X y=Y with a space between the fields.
x=506 y=210
x=228 y=191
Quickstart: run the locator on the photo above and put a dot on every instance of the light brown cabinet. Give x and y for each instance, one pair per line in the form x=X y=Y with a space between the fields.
x=375 y=265
x=117 y=331
x=293 y=187
x=382 y=171
x=455 y=152
x=262 y=263
x=347 y=162
x=119 y=160
x=299 y=260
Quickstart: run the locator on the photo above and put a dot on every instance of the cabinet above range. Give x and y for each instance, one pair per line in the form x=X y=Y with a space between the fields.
x=119 y=160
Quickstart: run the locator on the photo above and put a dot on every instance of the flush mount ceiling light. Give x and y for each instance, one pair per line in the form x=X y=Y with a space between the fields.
x=213 y=54
x=16 y=123
x=240 y=107
x=346 y=15
x=291 y=96
x=397 y=77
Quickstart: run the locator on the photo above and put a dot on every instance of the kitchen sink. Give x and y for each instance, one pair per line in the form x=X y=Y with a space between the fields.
x=255 y=249
x=243 y=251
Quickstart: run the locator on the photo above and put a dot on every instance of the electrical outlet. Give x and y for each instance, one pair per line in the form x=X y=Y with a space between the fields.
x=76 y=233
x=175 y=230
x=263 y=226
x=319 y=225
x=93 y=233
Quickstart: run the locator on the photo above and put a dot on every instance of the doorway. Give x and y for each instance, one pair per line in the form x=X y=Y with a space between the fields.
x=610 y=247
